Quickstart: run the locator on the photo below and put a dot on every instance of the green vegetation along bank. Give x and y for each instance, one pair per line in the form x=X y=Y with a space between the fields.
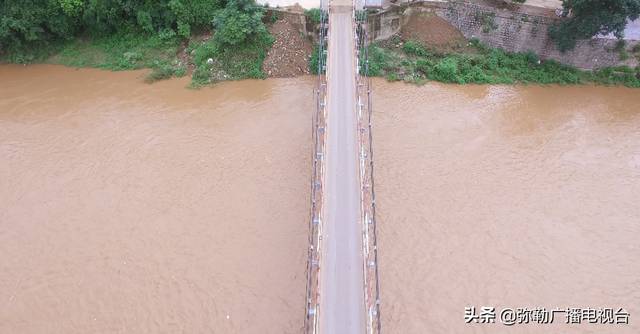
x=134 y=34
x=476 y=63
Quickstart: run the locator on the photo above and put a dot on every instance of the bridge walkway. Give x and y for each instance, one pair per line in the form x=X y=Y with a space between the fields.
x=342 y=301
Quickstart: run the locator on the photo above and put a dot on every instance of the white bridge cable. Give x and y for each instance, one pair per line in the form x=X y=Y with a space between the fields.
x=316 y=196
x=368 y=208
x=370 y=224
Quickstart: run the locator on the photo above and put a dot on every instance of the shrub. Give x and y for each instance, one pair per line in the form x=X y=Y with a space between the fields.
x=532 y=57
x=392 y=77
x=313 y=60
x=446 y=70
x=210 y=49
x=202 y=73
x=424 y=66
x=315 y=14
x=238 y=21
x=274 y=17
x=166 y=34
x=159 y=73
x=414 y=48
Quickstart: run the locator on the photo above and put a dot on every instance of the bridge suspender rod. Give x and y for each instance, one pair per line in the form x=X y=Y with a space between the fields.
x=316 y=196
x=363 y=61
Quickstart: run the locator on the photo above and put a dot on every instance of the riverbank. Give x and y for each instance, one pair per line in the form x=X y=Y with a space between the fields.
x=517 y=28
x=283 y=50
x=458 y=60
x=425 y=47
x=418 y=42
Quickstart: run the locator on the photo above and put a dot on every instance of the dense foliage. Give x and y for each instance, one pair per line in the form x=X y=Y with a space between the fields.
x=592 y=17
x=133 y=34
x=239 y=20
x=315 y=14
x=124 y=50
x=486 y=66
x=231 y=62
x=29 y=28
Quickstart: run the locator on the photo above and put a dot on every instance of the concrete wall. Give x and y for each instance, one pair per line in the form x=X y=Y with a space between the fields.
x=511 y=33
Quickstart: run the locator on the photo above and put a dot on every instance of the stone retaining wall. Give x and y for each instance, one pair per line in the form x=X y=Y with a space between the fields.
x=507 y=30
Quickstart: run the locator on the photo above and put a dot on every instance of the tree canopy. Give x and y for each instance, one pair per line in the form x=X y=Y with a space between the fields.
x=42 y=22
x=593 y=17
x=238 y=20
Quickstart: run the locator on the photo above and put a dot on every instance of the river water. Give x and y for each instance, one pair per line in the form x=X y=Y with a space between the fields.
x=127 y=207
x=204 y=194
x=506 y=197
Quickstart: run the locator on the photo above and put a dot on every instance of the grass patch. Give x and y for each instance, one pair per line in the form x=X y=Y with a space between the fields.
x=122 y=51
x=392 y=77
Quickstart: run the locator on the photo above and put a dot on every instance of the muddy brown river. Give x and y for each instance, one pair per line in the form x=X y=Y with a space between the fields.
x=135 y=208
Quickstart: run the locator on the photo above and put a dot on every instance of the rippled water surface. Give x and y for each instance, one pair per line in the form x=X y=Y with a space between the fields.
x=506 y=197
x=127 y=207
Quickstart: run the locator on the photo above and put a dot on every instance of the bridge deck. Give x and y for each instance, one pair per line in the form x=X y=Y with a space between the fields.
x=342 y=307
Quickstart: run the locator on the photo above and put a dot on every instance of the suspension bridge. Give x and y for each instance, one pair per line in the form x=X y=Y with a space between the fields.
x=343 y=289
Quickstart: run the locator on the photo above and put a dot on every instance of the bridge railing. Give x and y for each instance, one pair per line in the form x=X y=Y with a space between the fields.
x=318 y=133
x=364 y=109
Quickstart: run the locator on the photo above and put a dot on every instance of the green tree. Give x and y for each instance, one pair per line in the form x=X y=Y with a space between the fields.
x=239 y=20
x=71 y=7
x=315 y=15
x=193 y=13
x=25 y=22
x=592 y=17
